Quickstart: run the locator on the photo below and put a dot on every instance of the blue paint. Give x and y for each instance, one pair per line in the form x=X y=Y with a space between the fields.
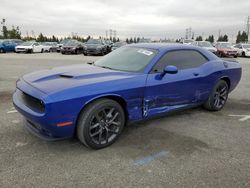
x=148 y=159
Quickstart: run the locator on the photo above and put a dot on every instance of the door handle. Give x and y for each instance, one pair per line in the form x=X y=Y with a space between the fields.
x=196 y=74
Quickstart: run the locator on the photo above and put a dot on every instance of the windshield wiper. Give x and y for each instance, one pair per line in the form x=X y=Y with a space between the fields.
x=105 y=67
x=90 y=62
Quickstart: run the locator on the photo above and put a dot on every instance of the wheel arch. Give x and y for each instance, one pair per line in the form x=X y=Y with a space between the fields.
x=227 y=80
x=120 y=100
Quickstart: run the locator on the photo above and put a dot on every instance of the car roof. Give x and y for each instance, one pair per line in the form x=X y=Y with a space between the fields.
x=163 y=46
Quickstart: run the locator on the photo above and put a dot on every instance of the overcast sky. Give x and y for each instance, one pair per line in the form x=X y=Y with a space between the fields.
x=148 y=18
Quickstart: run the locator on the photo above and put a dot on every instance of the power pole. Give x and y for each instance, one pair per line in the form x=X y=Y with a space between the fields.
x=248 y=27
x=107 y=34
x=110 y=33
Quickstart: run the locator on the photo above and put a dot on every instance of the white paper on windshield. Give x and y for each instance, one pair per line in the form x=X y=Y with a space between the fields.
x=145 y=52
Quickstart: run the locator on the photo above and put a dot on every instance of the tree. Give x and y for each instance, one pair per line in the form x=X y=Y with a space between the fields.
x=130 y=40
x=199 y=38
x=135 y=40
x=223 y=38
x=127 y=40
x=238 y=38
x=210 y=38
x=5 y=32
x=40 y=38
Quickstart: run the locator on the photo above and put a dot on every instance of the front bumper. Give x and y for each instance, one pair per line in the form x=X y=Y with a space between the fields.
x=93 y=51
x=68 y=50
x=230 y=54
x=43 y=124
x=23 y=50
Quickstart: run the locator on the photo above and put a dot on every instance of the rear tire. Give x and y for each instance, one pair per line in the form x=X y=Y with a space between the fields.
x=2 y=51
x=243 y=54
x=218 y=97
x=100 y=123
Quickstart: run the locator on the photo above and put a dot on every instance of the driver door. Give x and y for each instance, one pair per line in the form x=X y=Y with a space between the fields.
x=163 y=94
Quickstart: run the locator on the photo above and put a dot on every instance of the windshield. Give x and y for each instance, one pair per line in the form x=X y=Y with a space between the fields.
x=246 y=45
x=205 y=44
x=72 y=42
x=127 y=59
x=94 y=41
x=29 y=43
x=224 y=45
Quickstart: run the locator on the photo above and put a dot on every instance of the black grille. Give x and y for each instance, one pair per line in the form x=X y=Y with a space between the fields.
x=31 y=102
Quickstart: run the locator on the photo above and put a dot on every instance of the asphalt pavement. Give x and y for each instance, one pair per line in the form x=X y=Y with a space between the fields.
x=192 y=148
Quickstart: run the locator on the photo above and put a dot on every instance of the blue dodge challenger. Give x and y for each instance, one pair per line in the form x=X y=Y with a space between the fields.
x=135 y=82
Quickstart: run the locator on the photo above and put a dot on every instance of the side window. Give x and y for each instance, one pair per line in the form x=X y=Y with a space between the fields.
x=182 y=59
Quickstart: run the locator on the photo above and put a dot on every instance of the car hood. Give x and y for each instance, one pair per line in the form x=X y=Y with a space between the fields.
x=20 y=46
x=63 y=78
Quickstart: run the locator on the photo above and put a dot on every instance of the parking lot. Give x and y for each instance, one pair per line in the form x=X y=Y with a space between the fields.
x=192 y=148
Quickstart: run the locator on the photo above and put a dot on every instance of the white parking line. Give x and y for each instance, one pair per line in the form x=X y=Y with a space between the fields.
x=11 y=111
x=243 y=117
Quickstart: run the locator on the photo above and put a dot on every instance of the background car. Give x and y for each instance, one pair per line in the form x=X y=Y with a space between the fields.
x=29 y=47
x=225 y=49
x=186 y=41
x=95 y=47
x=50 y=46
x=133 y=83
x=17 y=41
x=109 y=45
x=72 y=47
x=205 y=44
x=243 y=49
x=59 y=46
x=118 y=45
x=7 y=46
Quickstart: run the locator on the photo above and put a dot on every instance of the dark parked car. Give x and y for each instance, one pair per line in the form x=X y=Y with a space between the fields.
x=72 y=47
x=109 y=45
x=59 y=46
x=7 y=46
x=95 y=47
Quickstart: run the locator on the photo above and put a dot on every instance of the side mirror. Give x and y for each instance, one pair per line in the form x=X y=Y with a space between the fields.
x=170 y=69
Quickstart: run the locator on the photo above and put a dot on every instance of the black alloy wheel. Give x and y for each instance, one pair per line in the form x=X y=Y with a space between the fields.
x=218 y=96
x=101 y=123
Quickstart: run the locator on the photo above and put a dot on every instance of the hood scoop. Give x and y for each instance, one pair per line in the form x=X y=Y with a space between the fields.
x=66 y=76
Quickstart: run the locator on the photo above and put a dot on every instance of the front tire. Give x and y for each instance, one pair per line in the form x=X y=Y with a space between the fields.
x=218 y=97
x=101 y=123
